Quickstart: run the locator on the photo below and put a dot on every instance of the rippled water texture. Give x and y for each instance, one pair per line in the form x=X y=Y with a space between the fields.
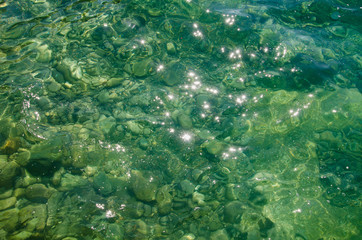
x=180 y=119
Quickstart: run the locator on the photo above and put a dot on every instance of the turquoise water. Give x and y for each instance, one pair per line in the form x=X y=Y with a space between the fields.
x=180 y=119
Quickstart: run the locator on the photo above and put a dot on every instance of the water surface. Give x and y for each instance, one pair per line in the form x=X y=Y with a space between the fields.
x=180 y=119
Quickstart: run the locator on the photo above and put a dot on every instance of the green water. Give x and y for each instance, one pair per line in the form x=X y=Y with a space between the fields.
x=180 y=119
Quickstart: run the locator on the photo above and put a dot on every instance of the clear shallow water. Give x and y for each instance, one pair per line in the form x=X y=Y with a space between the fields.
x=180 y=119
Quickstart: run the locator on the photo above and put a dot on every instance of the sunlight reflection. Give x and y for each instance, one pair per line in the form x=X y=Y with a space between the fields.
x=197 y=32
x=230 y=19
x=186 y=137
x=160 y=68
x=235 y=54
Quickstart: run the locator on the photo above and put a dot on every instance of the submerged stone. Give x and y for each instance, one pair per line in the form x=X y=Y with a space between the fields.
x=44 y=54
x=9 y=219
x=137 y=228
x=33 y=217
x=22 y=157
x=104 y=97
x=134 y=127
x=54 y=87
x=70 y=70
x=188 y=236
x=171 y=48
x=38 y=192
x=335 y=15
x=174 y=74
x=185 y=121
x=144 y=189
x=187 y=187
x=7 y=203
x=70 y=182
x=102 y=184
x=15 y=31
x=107 y=124
x=103 y=32
x=142 y=68
x=5 y=193
x=10 y=146
x=114 y=231
x=233 y=212
x=198 y=198
x=219 y=235
x=135 y=210
x=143 y=143
x=21 y=236
x=164 y=200
x=113 y=82
x=215 y=147
x=8 y=173
x=49 y=151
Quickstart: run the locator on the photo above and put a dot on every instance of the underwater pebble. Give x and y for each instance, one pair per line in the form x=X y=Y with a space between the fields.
x=164 y=200
x=9 y=219
x=21 y=235
x=54 y=87
x=138 y=228
x=196 y=173
x=19 y=192
x=188 y=236
x=233 y=211
x=143 y=189
x=57 y=177
x=8 y=172
x=335 y=15
x=198 y=198
x=143 y=143
x=70 y=182
x=7 y=203
x=142 y=68
x=33 y=217
x=38 y=192
x=15 y=31
x=113 y=82
x=26 y=180
x=102 y=184
x=170 y=48
x=134 y=127
x=187 y=187
x=106 y=124
x=148 y=210
x=184 y=121
x=2 y=54
x=114 y=231
x=104 y=97
x=44 y=103
x=230 y=192
x=174 y=74
x=5 y=193
x=338 y=31
x=215 y=147
x=142 y=100
x=219 y=235
x=44 y=54
x=70 y=70
x=22 y=157
x=135 y=210
x=154 y=12
x=48 y=151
